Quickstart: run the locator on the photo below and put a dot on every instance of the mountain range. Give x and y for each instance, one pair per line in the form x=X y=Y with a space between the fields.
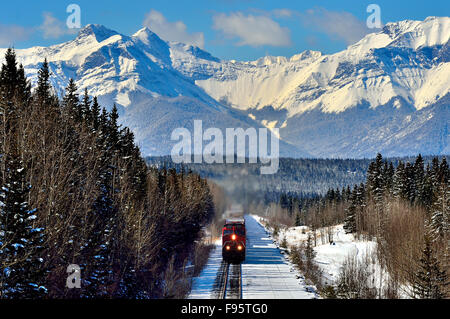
x=387 y=93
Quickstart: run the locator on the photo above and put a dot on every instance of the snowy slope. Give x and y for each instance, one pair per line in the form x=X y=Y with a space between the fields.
x=375 y=96
x=138 y=74
x=331 y=257
x=387 y=93
x=114 y=66
x=393 y=62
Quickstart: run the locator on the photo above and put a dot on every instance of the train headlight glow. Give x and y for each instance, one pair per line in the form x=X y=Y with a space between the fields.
x=233 y=237
x=239 y=247
x=227 y=248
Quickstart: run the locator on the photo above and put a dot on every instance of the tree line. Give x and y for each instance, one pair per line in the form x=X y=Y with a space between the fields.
x=407 y=209
x=404 y=206
x=76 y=190
x=299 y=178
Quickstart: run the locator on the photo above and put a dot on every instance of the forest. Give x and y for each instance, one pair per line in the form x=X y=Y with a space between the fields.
x=403 y=207
x=299 y=177
x=75 y=190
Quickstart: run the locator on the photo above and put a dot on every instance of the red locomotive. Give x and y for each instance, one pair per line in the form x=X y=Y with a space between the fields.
x=234 y=240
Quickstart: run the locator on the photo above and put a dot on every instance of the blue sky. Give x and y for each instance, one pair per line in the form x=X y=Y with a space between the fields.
x=228 y=29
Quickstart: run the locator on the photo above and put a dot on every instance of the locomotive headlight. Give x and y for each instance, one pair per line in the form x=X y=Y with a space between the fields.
x=239 y=247
x=227 y=248
x=233 y=237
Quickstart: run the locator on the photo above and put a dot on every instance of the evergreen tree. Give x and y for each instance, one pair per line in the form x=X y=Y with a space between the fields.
x=376 y=187
x=430 y=281
x=419 y=178
x=43 y=84
x=298 y=219
x=85 y=107
x=23 y=86
x=388 y=177
x=426 y=195
x=440 y=212
x=15 y=93
x=113 y=129
x=348 y=193
x=375 y=182
x=350 y=220
x=444 y=174
x=101 y=245
x=71 y=101
x=399 y=183
x=410 y=187
x=310 y=255
x=284 y=201
x=95 y=114
x=44 y=96
x=9 y=77
x=435 y=176
x=21 y=272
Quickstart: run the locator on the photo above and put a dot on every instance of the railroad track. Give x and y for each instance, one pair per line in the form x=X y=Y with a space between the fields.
x=228 y=283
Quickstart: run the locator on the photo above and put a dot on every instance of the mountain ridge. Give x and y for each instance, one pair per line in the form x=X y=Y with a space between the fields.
x=320 y=103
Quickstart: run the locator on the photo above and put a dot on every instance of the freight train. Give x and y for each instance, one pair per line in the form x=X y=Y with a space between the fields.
x=234 y=240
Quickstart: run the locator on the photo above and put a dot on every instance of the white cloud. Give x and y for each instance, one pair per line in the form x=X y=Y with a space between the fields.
x=172 y=31
x=52 y=28
x=342 y=25
x=10 y=34
x=283 y=13
x=252 y=30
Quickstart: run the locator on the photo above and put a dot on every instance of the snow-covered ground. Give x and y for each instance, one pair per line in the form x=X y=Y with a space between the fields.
x=266 y=273
x=202 y=286
x=331 y=257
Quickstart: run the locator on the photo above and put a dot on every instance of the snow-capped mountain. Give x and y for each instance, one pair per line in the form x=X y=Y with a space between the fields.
x=387 y=93
x=137 y=74
x=406 y=59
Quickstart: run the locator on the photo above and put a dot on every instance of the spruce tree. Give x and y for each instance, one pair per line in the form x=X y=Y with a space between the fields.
x=9 y=76
x=95 y=114
x=426 y=195
x=43 y=80
x=22 y=274
x=44 y=97
x=298 y=219
x=444 y=174
x=376 y=187
x=85 y=107
x=388 y=177
x=399 y=189
x=71 y=101
x=21 y=264
x=8 y=109
x=100 y=245
x=15 y=94
x=430 y=281
x=350 y=219
x=440 y=212
x=435 y=176
x=411 y=189
x=113 y=130
x=23 y=86
x=419 y=178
